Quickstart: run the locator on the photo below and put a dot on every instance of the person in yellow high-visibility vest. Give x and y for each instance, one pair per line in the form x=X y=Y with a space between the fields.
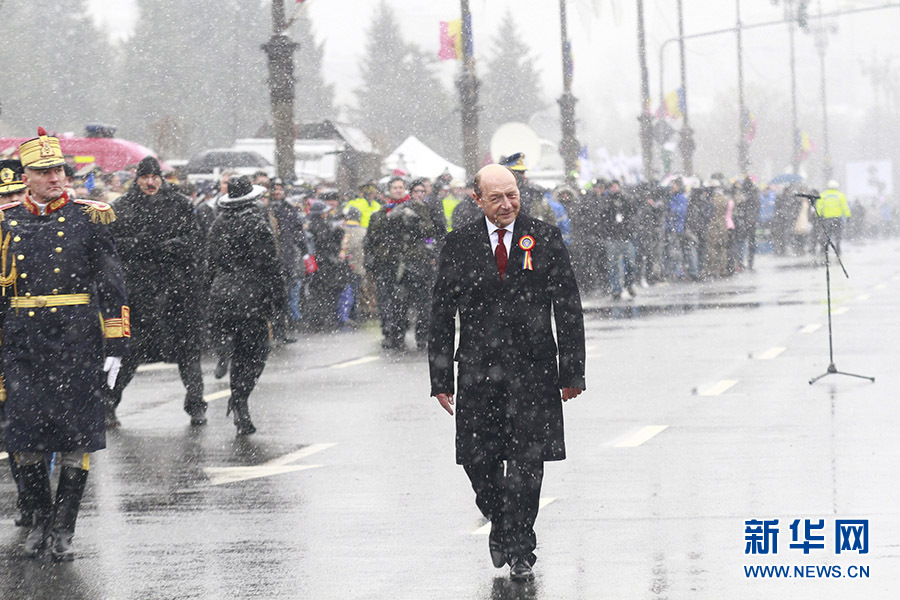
x=367 y=203
x=832 y=209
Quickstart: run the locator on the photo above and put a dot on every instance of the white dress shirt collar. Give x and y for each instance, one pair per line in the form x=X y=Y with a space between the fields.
x=506 y=240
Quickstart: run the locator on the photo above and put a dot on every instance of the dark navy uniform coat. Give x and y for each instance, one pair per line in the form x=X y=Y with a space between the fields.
x=53 y=356
x=511 y=368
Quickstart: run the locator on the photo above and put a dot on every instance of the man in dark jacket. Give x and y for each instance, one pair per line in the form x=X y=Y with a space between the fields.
x=247 y=290
x=618 y=222
x=399 y=251
x=160 y=243
x=290 y=241
x=504 y=288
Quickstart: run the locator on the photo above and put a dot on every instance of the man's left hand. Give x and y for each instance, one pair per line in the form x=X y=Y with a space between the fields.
x=569 y=393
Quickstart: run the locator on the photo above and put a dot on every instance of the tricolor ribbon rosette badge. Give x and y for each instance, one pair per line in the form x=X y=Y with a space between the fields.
x=526 y=243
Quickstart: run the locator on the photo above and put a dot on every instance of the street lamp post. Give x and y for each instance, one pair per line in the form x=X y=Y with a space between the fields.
x=743 y=144
x=569 y=143
x=686 y=143
x=280 y=51
x=821 y=31
x=790 y=15
x=645 y=119
x=467 y=84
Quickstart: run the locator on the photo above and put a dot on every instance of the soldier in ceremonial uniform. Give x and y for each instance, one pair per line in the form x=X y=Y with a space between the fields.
x=59 y=271
x=12 y=190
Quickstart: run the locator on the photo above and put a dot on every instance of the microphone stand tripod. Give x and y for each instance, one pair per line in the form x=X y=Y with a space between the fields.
x=832 y=370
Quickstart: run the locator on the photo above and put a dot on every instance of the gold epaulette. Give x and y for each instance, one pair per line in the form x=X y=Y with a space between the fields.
x=7 y=205
x=100 y=212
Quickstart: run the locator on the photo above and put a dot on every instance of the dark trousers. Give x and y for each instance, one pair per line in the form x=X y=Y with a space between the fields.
x=510 y=500
x=388 y=305
x=249 y=350
x=189 y=370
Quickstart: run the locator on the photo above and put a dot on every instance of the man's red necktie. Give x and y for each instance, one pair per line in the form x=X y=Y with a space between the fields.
x=500 y=254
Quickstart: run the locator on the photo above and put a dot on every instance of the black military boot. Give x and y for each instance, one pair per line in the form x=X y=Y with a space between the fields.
x=26 y=514
x=241 y=416
x=68 y=499
x=36 y=498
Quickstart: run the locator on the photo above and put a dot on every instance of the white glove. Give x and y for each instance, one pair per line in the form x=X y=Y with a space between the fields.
x=111 y=368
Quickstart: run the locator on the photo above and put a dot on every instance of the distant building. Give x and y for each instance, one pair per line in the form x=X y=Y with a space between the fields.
x=324 y=151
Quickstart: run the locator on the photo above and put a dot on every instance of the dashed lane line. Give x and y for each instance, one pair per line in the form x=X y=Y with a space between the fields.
x=770 y=353
x=640 y=436
x=486 y=528
x=717 y=388
x=217 y=395
x=881 y=286
x=356 y=361
x=4 y=455
x=839 y=311
x=811 y=328
x=863 y=297
x=157 y=366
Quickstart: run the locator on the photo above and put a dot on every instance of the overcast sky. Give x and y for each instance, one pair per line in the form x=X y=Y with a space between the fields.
x=603 y=34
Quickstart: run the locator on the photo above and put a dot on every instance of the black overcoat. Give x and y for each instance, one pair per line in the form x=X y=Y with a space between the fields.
x=53 y=355
x=511 y=368
x=161 y=246
x=246 y=277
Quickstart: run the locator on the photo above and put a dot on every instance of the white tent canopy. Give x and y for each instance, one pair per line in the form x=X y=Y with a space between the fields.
x=418 y=160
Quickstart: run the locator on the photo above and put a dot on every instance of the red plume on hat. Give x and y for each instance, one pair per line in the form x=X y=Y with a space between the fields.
x=42 y=131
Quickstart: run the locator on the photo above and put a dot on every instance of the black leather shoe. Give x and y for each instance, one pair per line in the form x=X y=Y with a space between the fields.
x=520 y=570
x=498 y=554
x=198 y=419
x=221 y=368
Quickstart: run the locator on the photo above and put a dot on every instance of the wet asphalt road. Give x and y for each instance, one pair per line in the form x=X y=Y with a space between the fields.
x=698 y=417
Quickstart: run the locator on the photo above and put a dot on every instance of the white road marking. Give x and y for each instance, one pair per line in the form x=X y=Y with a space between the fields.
x=880 y=286
x=640 y=436
x=4 y=455
x=157 y=366
x=770 y=353
x=861 y=297
x=217 y=395
x=298 y=455
x=223 y=475
x=839 y=311
x=276 y=466
x=354 y=362
x=486 y=528
x=718 y=388
x=811 y=327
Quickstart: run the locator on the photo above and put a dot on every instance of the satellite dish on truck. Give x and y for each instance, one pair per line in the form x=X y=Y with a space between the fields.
x=515 y=137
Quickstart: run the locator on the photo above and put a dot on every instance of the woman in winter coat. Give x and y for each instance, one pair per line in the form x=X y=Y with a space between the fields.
x=247 y=289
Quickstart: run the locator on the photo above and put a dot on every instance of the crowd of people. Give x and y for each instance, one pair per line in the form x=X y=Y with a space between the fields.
x=347 y=257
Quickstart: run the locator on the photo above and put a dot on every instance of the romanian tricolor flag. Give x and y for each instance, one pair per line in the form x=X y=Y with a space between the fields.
x=673 y=105
x=451 y=40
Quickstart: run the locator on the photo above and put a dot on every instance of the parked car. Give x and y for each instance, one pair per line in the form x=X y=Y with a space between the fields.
x=209 y=163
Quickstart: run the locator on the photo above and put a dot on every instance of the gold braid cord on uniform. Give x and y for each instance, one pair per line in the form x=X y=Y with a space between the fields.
x=7 y=278
x=99 y=212
x=119 y=327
